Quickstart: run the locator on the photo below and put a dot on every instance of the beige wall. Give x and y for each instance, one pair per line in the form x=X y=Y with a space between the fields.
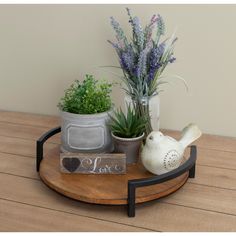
x=43 y=48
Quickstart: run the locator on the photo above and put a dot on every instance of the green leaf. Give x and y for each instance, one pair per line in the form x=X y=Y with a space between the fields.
x=87 y=97
x=127 y=126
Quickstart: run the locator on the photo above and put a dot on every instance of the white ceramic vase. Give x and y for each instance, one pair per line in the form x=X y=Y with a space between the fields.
x=154 y=110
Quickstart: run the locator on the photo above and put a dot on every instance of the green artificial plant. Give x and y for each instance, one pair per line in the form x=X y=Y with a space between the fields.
x=87 y=97
x=130 y=125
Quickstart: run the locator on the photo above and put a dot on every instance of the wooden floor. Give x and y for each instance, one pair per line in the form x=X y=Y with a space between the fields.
x=206 y=203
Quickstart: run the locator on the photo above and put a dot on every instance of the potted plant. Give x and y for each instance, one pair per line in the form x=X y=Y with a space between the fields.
x=143 y=58
x=128 y=132
x=84 y=113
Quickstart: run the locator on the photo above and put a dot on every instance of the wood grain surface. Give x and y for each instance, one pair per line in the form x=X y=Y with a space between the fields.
x=103 y=189
x=206 y=203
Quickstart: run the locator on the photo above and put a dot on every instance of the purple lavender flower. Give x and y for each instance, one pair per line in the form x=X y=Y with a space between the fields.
x=138 y=32
x=143 y=56
x=141 y=69
x=149 y=29
x=117 y=28
x=151 y=75
x=123 y=63
x=154 y=60
x=127 y=59
x=160 y=25
x=156 y=54
x=153 y=20
x=120 y=36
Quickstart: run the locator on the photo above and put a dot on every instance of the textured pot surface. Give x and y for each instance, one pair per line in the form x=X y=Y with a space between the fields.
x=129 y=146
x=85 y=133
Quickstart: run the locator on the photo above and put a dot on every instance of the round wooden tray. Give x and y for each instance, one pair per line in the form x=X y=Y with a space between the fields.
x=103 y=189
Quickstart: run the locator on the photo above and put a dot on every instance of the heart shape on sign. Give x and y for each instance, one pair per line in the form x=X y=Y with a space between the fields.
x=71 y=164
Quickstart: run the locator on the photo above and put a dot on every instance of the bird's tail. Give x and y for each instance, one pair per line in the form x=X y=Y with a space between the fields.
x=189 y=134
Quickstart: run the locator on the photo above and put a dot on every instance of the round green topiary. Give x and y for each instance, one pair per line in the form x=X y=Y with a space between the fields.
x=87 y=97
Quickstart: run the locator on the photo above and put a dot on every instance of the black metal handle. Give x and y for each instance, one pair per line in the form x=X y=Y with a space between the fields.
x=41 y=141
x=189 y=165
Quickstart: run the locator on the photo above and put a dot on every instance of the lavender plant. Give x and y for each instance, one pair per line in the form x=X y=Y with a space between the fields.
x=143 y=59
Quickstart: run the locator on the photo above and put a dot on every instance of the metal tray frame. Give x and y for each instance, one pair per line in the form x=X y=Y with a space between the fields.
x=188 y=165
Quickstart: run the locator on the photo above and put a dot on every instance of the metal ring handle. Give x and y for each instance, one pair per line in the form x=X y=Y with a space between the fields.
x=41 y=141
x=189 y=165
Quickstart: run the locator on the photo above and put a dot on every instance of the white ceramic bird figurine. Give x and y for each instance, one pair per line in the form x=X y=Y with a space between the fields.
x=161 y=153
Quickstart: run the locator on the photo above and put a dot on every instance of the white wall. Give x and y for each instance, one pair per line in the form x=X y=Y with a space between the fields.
x=43 y=48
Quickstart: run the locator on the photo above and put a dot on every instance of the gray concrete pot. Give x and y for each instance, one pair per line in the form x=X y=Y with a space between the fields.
x=130 y=146
x=85 y=133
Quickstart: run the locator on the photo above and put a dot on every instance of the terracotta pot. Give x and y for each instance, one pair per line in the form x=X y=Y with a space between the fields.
x=129 y=146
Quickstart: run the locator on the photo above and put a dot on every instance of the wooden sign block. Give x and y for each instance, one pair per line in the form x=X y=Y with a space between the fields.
x=91 y=163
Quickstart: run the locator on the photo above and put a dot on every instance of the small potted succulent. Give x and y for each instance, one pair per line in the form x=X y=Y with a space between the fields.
x=128 y=132
x=84 y=112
